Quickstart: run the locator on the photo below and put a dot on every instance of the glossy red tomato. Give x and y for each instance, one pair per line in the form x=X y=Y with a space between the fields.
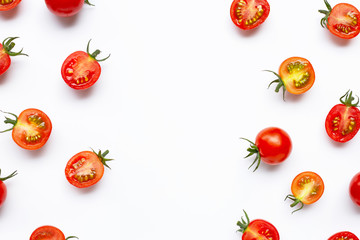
x=31 y=129
x=5 y=53
x=8 y=4
x=307 y=188
x=48 y=233
x=65 y=8
x=343 y=236
x=81 y=70
x=3 y=190
x=342 y=20
x=257 y=229
x=248 y=14
x=354 y=189
x=86 y=168
x=296 y=75
x=272 y=146
x=343 y=121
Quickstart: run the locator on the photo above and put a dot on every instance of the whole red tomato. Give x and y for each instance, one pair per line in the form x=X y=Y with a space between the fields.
x=272 y=146
x=48 y=233
x=81 y=70
x=354 y=189
x=65 y=8
x=344 y=236
x=5 y=53
x=3 y=190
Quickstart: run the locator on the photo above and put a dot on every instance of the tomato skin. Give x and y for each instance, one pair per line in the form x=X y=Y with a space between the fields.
x=243 y=11
x=3 y=193
x=47 y=233
x=274 y=145
x=344 y=236
x=6 y=7
x=64 y=8
x=341 y=11
x=354 y=189
x=80 y=70
x=260 y=229
x=5 y=60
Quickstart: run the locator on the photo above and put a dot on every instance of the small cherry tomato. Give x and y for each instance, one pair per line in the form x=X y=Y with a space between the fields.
x=31 y=129
x=272 y=146
x=343 y=121
x=306 y=188
x=5 y=53
x=354 y=189
x=342 y=20
x=86 y=168
x=248 y=14
x=343 y=236
x=48 y=233
x=81 y=70
x=296 y=75
x=3 y=190
x=8 y=4
x=65 y=8
x=257 y=229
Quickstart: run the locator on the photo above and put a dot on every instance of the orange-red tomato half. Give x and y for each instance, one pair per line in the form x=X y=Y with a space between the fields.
x=47 y=233
x=8 y=4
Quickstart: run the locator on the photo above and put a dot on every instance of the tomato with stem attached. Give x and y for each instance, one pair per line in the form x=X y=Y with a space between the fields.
x=3 y=189
x=5 y=53
x=86 y=168
x=307 y=188
x=257 y=229
x=354 y=189
x=31 y=129
x=272 y=146
x=343 y=236
x=81 y=70
x=343 y=121
x=6 y=5
x=296 y=75
x=66 y=8
x=48 y=232
x=342 y=20
x=249 y=14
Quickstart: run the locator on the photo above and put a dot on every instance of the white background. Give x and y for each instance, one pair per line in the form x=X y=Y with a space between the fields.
x=183 y=83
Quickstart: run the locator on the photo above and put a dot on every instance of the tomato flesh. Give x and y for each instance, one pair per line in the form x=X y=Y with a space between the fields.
x=248 y=14
x=344 y=21
x=260 y=229
x=8 y=4
x=64 y=8
x=342 y=122
x=32 y=130
x=5 y=60
x=297 y=74
x=84 y=169
x=354 y=189
x=47 y=233
x=80 y=71
x=307 y=187
x=344 y=236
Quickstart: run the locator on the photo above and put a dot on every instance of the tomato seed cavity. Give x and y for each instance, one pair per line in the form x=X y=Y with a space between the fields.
x=6 y=2
x=37 y=121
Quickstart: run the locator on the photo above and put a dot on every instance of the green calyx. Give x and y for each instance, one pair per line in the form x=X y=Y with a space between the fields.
x=253 y=149
x=94 y=54
x=10 y=121
x=7 y=177
x=296 y=202
x=279 y=82
x=243 y=224
x=88 y=3
x=8 y=45
x=324 y=21
x=102 y=157
x=348 y=98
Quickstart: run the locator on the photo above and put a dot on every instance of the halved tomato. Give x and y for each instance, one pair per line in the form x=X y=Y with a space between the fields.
x=248 y=14
x=48 y=233
x=31 y=129
x=8 y=4
x=343 y=236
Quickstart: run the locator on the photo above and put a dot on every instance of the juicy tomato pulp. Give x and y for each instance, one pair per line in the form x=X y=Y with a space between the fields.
x=342 y=122
x=84 y=169
x=3 y=193
x=354 y=189
x=307 y=187
x=274 y=145
x=80 y=71
x=297 y=74
x=343 y=236
x=5 y=60
x=248 y=14
x=47 y=233
x=260 y=229
x=8 y=4
x=32 y=129
x=64 y=8
x=344 y=21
